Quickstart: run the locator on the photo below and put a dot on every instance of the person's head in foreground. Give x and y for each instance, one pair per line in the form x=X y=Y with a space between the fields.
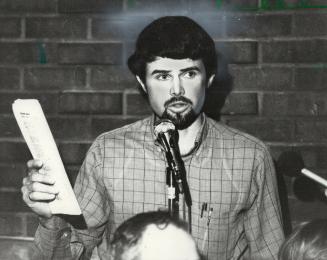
x=153 y=236
x=175 y=62
x=307 y=242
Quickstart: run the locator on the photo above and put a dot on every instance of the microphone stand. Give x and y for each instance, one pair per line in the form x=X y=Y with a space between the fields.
x=175 y=172
x=173 y=194
x=175 y=188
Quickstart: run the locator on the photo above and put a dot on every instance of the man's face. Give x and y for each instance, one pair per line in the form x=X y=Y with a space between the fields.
x=176 y=89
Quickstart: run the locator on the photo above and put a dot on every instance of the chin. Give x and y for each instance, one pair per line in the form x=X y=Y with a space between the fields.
x=181 y=120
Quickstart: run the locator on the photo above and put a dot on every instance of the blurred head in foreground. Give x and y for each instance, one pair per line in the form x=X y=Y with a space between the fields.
x=153 y=236
x=307 y=242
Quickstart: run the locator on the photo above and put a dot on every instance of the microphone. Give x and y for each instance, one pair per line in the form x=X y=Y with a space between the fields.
x=166 y=135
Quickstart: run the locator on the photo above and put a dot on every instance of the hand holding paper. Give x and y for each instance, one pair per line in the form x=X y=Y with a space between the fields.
x=37 y=134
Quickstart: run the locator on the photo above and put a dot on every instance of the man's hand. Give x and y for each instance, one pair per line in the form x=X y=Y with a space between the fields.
x=38 y=189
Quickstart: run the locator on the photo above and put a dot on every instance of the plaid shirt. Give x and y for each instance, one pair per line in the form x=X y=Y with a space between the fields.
x=124 y=174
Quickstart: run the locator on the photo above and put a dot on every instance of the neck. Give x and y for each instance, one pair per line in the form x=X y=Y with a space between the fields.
x=187 y=136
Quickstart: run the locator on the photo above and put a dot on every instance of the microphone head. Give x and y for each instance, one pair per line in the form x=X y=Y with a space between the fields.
x=163 y=126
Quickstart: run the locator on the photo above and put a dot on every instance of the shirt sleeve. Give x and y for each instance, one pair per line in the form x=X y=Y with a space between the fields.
x=263 y=222
x=67 y=242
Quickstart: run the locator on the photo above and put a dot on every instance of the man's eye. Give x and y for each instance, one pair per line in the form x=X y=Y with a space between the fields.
x=190 y=74
x=162 y=76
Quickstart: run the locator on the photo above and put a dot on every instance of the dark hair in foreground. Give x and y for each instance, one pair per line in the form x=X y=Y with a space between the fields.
x=307 y=242
x=128 y=234
x=175 y=37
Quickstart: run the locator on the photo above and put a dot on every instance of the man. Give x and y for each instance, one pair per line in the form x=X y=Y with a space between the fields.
x=235 y=212
x=153 y=235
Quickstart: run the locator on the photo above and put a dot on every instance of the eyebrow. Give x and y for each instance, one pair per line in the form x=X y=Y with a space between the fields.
x=182 y=70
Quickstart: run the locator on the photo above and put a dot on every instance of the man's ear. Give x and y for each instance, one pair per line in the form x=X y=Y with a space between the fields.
x=212 y=77
x=141 y=83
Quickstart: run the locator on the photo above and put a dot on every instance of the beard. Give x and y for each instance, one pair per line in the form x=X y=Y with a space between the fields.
x=180 y=120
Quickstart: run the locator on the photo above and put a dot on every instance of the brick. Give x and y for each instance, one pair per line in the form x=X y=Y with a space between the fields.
x=85 y=6
x=69 y=128
x=213 y=23
x=61 y=78
x=236 y=103
x=254 y=26
x=155 y=6
x=112 y=78
x=294 y=104
x=90 y=103
x=8 y=127
x=119 y=29
x=295 y=51
x=12 y=202
x=32 y=222
x=18 y=250
x=25 y=53
x=11 y=224
x=129 y=48
x=9 y=78
x=265 y=129
x=73 y=153
x=9 y=27
x=11 y=175
x=240 y=4
x=61 y=27
x=104 y=124
x=137 y=105
x=238 y=52
x=261 y=78
x=49 y=101
x=13 y=152
x=310 y=24
x=311 y=130
x=314 y=78
x=96 y=53
x=306 y=211
x=277 y=150
x=279 y=5
x=22 y=7
x=201 y=6
x=316 y=3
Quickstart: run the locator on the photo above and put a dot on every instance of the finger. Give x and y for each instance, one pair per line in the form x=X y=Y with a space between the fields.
x=37 y=164
x=25 y=196
x=39 y=196
x=35 y=170
x=26 y=181
x=40 y=187
x=43 y=178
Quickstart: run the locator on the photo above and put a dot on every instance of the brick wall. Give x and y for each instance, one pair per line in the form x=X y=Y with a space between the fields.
x=71 y=55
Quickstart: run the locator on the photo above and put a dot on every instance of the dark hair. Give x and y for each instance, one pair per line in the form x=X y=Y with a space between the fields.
x=175 y=37
x=307 y=242
x=129 y=232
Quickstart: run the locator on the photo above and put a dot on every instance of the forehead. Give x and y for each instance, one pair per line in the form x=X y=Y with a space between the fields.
x=169 y=64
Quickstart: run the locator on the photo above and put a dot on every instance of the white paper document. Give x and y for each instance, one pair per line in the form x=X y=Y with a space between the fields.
x=39 y=139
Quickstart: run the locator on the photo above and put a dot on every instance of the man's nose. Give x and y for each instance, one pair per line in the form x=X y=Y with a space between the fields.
x=177 y=88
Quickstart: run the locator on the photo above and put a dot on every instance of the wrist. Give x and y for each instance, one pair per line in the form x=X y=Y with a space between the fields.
x=53 y=223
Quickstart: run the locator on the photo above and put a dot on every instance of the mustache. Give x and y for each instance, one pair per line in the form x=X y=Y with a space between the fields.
x=177 y=99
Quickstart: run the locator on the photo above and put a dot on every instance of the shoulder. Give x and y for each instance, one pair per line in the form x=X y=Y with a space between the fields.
x=138 y=128
x=236 y=139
